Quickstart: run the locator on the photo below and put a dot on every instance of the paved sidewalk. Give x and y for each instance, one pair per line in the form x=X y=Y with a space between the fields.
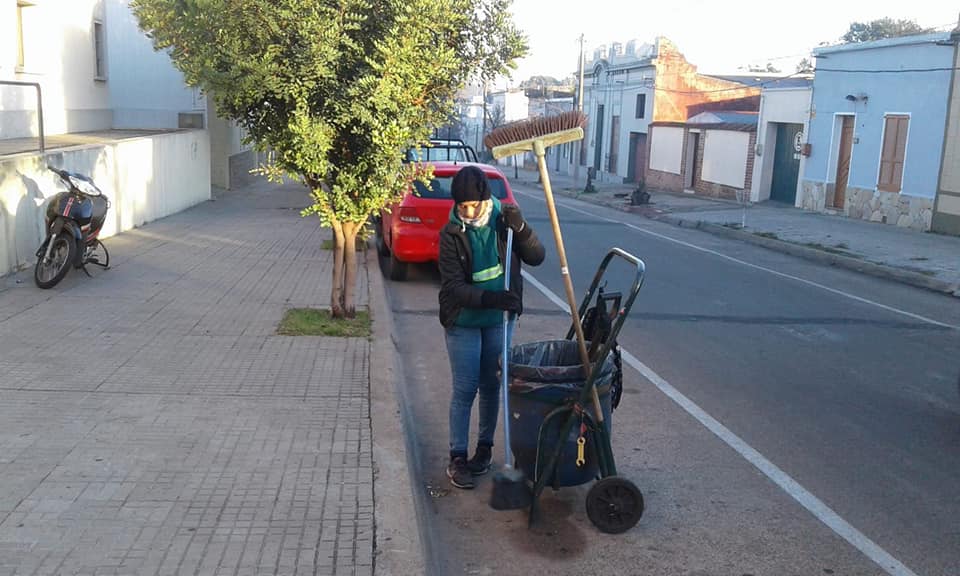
x=922 y=259
x=151 y=422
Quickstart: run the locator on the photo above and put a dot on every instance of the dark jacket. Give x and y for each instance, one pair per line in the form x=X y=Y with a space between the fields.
x=456 y=267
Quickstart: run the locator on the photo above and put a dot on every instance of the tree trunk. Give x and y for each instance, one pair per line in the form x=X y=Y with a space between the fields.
x=336 y=292
x=350 y=230
x=342 y=295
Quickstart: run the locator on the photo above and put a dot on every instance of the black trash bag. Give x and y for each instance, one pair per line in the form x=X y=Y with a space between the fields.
x=552 y=363
x=597 y=326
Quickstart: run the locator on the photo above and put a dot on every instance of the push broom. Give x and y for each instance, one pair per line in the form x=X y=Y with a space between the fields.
x=510 y=490
x=537 y=135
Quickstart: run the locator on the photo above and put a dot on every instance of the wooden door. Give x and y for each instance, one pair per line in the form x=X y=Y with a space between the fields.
x=637 y=161
x=843 y=162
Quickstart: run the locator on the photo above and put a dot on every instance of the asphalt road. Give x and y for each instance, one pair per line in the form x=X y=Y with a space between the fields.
x=781 y=417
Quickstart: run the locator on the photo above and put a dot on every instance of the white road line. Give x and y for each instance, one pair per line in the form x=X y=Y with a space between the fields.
x=756 y=267
x=803 y=496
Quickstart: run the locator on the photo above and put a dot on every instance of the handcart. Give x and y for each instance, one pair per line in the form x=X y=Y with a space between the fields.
x=557 y=440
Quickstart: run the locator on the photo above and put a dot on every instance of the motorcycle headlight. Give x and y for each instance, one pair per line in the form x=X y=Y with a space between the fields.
x=84 y=186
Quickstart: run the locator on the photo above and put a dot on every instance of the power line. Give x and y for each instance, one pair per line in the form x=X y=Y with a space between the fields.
x=887 y=71
x=948 y=24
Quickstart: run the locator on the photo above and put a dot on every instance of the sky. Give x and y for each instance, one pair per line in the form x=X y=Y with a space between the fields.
x=717 y=37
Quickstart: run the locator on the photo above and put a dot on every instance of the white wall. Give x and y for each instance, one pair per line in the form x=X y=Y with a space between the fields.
x=140 y=87
x=787 y=105
x=515 y=106
x=629 y=122
x=146 y=91
x=145 y=178
x=618 y=96
x=59 y=54
x=725 y=157
x=666 y=149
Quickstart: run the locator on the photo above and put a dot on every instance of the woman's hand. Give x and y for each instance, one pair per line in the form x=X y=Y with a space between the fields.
x=512 y=217
x=501 y=300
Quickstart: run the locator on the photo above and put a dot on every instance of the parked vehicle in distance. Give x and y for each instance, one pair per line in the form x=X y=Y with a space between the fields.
x=409 y=231
x=442 y=151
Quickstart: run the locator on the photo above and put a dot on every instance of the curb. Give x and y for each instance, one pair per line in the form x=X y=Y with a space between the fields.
x=878 y=270
x=401 y=543
x=839 y=260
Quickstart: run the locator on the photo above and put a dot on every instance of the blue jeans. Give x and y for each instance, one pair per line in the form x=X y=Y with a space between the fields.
x=474 y=354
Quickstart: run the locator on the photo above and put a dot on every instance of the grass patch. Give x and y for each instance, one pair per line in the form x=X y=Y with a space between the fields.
x=770 y=235
x=733 y=225
x=314 y=322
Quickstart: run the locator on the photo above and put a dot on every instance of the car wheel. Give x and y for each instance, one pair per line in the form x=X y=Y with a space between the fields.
x=396 y=270
x=382 y=249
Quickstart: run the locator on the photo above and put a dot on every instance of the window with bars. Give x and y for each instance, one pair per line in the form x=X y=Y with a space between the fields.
x=893 y=153
x=100 y=64
x=22 y=15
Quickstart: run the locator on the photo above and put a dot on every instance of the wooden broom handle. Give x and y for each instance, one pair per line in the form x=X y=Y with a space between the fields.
x=539 y=150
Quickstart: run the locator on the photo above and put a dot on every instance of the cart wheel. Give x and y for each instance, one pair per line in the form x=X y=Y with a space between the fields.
x=614 y=505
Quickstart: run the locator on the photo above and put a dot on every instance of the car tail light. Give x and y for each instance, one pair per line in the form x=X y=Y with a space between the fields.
x=409 y=215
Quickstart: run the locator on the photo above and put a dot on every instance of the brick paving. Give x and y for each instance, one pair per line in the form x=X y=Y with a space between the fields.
x=152 y=422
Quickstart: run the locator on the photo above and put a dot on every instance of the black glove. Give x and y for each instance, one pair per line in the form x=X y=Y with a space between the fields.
x=501 y=300
x=513 y=218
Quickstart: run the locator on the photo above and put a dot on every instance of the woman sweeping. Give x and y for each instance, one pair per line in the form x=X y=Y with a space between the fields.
x=472 y=302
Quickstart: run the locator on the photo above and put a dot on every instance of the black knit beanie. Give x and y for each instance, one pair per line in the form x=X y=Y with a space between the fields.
x=469 y=185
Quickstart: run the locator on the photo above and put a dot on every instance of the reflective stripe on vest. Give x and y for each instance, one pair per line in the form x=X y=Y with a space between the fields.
x=489 y=274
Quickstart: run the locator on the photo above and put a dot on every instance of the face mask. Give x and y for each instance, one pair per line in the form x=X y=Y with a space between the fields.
x=482 y=219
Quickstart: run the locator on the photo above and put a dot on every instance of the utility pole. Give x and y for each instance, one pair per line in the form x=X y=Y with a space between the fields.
x=483 y=133
x=577 y=151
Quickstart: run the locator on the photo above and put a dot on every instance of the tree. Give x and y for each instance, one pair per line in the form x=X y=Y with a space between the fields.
x=805 y=66
x=496 y=116
x=336 y=91
x=768 y=68
x=880 y=29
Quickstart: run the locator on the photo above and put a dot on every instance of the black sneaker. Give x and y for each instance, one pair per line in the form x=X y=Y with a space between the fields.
x=459 y=473
x=480 y=463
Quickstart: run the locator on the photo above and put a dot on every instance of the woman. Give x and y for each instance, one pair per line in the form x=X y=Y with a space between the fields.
x=472 y=302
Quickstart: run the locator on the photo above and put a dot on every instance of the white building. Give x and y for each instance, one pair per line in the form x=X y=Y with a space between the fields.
x=626 y=87
x=507 y=106
x=470 y=112
x=98 y=72
x=96 y=69
x=782 y=132
x=123 y=112
x=618 y=97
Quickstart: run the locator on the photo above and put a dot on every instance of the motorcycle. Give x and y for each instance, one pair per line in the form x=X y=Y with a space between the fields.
x=73 y=219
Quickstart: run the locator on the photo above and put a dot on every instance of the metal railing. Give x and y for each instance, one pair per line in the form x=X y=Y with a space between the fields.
x=39 y=105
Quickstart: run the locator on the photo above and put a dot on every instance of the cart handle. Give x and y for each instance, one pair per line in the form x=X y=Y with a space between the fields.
x=625 y=310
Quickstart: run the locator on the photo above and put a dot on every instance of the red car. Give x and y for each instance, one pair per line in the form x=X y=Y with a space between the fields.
x=410 y=231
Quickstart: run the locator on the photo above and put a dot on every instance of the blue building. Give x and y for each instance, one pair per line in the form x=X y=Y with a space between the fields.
x=877 y=129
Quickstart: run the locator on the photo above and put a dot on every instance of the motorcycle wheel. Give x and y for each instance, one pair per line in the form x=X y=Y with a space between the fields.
x=49 y=274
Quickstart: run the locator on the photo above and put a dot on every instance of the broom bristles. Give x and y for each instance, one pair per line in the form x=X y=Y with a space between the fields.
x=534 y=128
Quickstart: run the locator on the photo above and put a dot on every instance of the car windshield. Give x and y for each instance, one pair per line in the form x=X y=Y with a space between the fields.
x=441 y=153
x=440 y=188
